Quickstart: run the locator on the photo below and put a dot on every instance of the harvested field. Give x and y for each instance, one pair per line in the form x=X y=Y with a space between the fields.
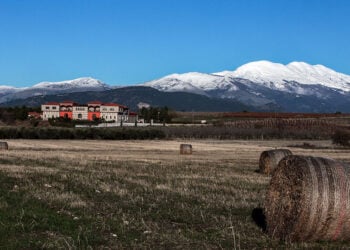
x=138 y=194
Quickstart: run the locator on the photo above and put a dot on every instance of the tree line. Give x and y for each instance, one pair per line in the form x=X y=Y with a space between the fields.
x=9 y=115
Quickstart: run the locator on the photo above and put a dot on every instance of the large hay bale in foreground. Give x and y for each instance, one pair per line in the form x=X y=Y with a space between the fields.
x=185 y=149
x=3 y=145
x=269 y=159
x=308 y=200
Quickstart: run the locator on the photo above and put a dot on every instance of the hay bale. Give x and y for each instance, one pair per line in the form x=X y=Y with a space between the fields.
x=309 y=199
x=3 y=145
x=269 y=159
x=185 y=149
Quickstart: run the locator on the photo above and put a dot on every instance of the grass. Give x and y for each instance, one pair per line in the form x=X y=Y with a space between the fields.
x=113 y=194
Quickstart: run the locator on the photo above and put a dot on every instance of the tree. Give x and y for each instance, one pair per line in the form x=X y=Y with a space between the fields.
x=159 y=114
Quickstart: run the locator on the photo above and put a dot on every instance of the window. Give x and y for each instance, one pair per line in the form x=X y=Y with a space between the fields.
x=80 y=116
x=47 y=107
x=104 y=109
x=54 y=107
x=111 y=109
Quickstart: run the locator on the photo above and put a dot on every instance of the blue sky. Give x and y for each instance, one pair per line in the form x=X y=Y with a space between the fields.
x=129 y=41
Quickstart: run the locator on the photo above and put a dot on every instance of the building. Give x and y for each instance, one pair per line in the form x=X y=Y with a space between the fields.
x=34 y=115
x=50 y=110
x=90 y=111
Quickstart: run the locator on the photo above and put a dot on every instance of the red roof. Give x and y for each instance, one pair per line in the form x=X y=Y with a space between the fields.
x=110 y=104
x=95 y=102
x=132 y=113
x=34 y=114
x=52 y=103
x=68 y=103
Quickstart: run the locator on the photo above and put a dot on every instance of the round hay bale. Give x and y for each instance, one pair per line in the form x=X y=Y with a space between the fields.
x=309 y=199
x=269 y=159
x=185 y=149
x=3 y=145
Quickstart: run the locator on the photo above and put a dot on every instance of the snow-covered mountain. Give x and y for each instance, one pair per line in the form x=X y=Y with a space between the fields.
x=266 y=83
x=295 y=87
x=79 y=83
x=4 y=90
x=277 y=76
x=8 y=93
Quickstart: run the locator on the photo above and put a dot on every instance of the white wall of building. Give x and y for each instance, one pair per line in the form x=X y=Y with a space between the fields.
x=50 y=111
x=109 y=113
x=80 y=113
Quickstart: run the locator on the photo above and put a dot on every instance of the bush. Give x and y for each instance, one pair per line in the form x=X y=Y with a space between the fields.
x=341 y=137
x=81 y=133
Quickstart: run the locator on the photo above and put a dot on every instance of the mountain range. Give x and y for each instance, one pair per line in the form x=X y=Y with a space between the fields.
x=260 y=85
x=8 y=93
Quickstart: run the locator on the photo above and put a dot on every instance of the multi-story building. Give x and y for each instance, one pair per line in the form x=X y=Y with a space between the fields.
x=50 y=110
x=91 y=111
x=66 y=109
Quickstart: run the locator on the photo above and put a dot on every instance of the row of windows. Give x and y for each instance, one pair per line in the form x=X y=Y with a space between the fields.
x=48 y=107
x=94 y=109
x=49 y=116
x=65 y=109
x=80 y=116
x=85 y=110
x=78 y=108
x=81 y=108
x=110 y=117
x=110 y=109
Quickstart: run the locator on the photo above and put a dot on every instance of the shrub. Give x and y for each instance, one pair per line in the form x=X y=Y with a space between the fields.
x=81 y=133
x=341 y=137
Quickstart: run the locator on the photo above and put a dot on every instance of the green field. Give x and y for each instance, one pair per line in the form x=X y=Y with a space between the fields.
x=138 y=194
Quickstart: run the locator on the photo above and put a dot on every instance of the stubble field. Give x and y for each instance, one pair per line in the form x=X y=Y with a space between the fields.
x=138 y=194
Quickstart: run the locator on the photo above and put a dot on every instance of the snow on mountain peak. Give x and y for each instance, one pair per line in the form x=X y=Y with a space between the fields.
x=276 y=75
x=7 y=87
x=4 y=89
x=189 y=82
x=84 y=82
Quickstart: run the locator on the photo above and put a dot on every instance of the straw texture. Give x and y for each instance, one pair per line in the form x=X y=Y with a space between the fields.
x=186 y=149
x=308 y=200
x=3 y=145
x=269 y=159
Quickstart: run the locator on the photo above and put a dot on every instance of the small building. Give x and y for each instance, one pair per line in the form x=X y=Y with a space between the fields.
x=50 y=110
x=34 y=115
x=133 y=117
x=110 y=111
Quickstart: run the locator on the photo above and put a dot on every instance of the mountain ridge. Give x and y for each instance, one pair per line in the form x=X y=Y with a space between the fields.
x=309 y=88
x=136 y=95
x=296 y=86
x=265 y=72
x=8 y=93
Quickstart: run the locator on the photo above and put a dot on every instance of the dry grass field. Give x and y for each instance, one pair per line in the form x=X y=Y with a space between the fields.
x=138 y=194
